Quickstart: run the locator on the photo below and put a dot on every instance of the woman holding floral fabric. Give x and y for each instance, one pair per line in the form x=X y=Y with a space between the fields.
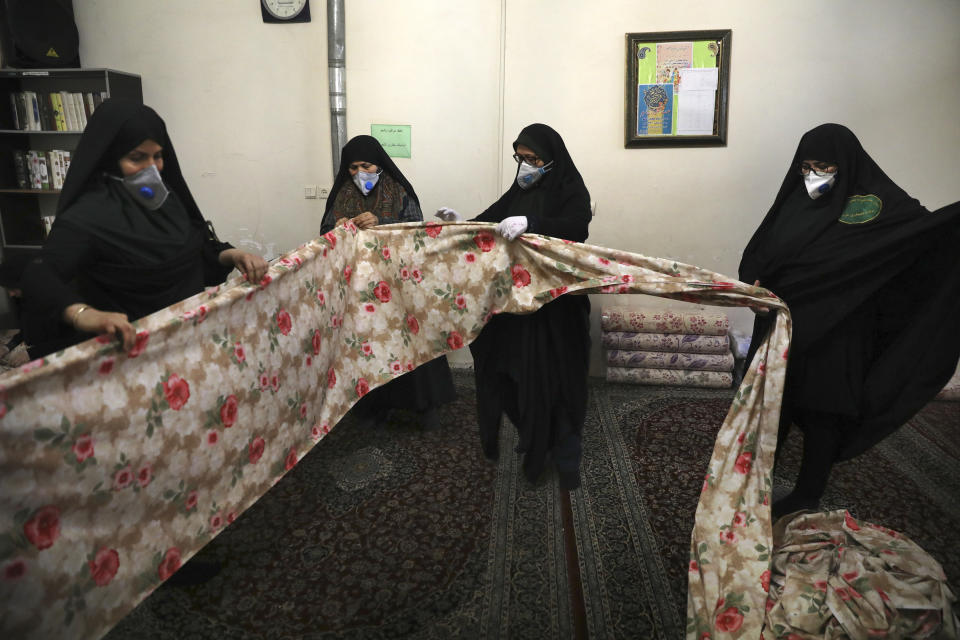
x=869 y=275
x=534 y=367
x=370 y=190
x=128 y=239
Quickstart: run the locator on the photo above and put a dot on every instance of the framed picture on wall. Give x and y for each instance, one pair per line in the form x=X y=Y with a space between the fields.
x=677 y=88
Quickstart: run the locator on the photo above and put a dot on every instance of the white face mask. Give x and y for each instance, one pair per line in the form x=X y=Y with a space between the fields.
x=818 y=185
x=366 y=181
x=528 y=174
x=146 y=186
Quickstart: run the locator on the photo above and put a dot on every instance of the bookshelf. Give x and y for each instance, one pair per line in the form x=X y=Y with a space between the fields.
x=22 y=208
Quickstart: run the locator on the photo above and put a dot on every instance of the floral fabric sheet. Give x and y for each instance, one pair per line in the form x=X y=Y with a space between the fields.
x=116 y=468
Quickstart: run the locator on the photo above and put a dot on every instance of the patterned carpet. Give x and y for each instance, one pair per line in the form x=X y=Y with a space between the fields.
x=393 y=532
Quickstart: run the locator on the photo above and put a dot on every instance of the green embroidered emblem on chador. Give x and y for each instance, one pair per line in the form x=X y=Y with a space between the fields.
x=860 y=209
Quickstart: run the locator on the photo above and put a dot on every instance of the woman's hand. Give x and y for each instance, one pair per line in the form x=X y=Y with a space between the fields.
x=365 y=220
x=249 y=264
x=89 y=320
x=761 y=310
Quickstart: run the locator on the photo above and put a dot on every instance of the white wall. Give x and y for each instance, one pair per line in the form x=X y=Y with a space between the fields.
x=246 y=104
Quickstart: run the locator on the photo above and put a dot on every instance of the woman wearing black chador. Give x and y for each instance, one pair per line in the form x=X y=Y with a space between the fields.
x=534 y=367
x=370 y=190
x=128 y=239
x=869 y=275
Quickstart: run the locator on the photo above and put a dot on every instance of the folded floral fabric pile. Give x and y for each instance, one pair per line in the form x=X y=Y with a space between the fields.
x=667 y=347
x=834 y=576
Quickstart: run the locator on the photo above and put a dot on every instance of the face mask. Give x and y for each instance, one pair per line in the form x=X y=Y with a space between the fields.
x=366 y=181
x=528 y=174
x=818 y=185
x=146 y=187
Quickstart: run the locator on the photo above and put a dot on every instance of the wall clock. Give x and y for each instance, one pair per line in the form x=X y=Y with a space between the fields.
x=279 y=11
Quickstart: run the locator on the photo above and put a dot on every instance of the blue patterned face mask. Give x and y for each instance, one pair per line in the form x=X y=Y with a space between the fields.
x=146 y=187
x=366 y=181
x=528 y=175
x=818 y=185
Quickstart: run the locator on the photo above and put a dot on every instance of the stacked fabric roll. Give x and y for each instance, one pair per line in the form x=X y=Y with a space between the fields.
x=667 y=347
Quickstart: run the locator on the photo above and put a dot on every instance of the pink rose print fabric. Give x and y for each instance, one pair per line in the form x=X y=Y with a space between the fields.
x=117 y=467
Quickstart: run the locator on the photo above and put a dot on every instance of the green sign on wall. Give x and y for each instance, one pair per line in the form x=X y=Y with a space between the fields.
x=395 y=138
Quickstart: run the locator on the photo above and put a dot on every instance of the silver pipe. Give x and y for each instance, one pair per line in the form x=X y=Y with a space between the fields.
x=337 y=75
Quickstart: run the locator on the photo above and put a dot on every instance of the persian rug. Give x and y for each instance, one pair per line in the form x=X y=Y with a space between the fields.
x=393 y=532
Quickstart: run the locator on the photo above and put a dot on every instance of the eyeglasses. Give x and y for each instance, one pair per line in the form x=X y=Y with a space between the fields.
x=821 y=169
x=365 y=166
x=531 y=159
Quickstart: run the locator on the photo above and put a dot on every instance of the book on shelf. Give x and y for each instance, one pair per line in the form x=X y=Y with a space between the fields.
x=20 y=169
x=41 y=169
x=33 y=111
x=81 y=110
x=33 y=166
x=44 y=170
x=56 y=174
x=47 y=123
x=15 y=109
x=53 y=111
x=57 y=102
x=68 y=111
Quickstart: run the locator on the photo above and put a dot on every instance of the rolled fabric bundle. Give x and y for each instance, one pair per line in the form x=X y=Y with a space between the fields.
x=664 y=321
x=670 y=377
x=673 y=342
x=666 y=360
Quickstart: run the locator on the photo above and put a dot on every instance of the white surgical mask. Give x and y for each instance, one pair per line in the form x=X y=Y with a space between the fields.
x=818 y=185
x=365 y=181
x=527 y=174
x=146 y=186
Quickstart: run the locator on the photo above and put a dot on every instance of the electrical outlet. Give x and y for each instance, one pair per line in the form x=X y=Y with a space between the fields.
x=323 y=192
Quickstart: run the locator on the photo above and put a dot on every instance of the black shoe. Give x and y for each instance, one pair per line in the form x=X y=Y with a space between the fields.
x=195 y=572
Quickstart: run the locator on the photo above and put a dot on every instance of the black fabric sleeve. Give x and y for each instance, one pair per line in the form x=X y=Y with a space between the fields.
x=214 y=273
x=47 y=280
x=495 y=212
x=48 y=289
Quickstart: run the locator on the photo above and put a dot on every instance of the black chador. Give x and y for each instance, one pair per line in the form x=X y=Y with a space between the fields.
x=870 y=277
x=534 y=367
x=107 y=250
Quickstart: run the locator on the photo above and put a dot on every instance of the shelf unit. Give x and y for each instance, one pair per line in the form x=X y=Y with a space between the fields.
x=22 y=210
